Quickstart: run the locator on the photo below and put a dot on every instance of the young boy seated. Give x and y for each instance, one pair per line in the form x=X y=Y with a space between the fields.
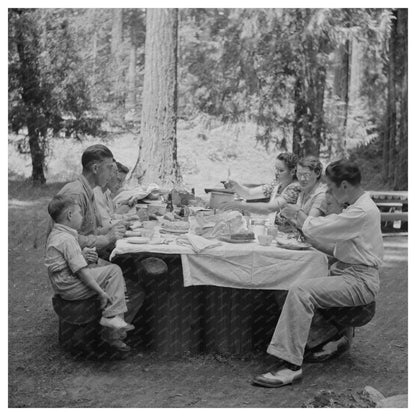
x=74 y=274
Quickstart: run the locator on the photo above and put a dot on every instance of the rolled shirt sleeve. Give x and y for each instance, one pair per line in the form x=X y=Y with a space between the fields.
x=73 y=255
x=334 y=228
x=336 y=232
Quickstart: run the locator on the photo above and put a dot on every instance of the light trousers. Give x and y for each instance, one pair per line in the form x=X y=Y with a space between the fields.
x=111 y=280
x=347 y=285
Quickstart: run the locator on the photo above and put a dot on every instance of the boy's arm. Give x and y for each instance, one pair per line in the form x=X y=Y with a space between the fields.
x=78 y=265
x=85 y=275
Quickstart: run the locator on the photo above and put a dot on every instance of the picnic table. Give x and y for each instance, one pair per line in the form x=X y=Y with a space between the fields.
x=221 y=299
x=393 y=206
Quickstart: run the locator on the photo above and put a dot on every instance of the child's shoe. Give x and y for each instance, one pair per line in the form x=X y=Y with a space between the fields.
x=115 y=322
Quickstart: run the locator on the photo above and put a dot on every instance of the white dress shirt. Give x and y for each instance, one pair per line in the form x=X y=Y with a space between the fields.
x=354 y=235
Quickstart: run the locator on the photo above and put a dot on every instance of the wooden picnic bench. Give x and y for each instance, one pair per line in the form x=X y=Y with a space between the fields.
x=393 y=206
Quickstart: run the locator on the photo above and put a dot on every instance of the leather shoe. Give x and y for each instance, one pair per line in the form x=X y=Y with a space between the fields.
x=278 y=378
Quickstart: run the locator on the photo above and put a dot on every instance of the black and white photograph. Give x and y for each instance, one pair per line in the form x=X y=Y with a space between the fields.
x=207 y=206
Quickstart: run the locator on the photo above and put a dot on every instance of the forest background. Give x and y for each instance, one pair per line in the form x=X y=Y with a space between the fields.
x=250 y=83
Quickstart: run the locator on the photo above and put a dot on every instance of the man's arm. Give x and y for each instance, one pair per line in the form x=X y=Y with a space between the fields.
x=325 y=232
x=333 y=228
x=98 y=241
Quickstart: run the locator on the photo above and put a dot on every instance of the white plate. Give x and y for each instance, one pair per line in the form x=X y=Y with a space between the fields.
x=174 y=231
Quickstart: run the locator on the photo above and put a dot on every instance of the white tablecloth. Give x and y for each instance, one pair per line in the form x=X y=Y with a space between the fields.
x=241 y=266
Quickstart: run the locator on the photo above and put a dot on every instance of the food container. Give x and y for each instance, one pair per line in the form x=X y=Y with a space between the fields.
x=217 y=198
x=265 y=240
x=142 y=212
x=272 y=230
x=149 y=225
x=258 y=226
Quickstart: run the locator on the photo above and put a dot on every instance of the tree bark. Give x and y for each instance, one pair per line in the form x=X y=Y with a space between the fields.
x=391 y=116
x=36 y=151
x=402 y=176
x=341 y=87
x=116 y=31
x=298 y=113
x=131 y=74
x=116 y=50
x=27 y=49
x=356 y=70
x=309 y=105
x=157 y=159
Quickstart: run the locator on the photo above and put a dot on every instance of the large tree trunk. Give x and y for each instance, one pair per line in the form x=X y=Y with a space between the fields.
x=157 y=160
x=27 y=49
x=299 y=110
x=355 y=71
x=309 y=111
x=401 y=181
x=390 y=132
x=116 y=31
x=36 y=150
x=131 y=74
x=341 y=87
x=116 y=50
x=94 y=47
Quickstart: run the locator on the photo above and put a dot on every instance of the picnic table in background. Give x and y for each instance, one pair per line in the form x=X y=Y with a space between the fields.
x=393 y=206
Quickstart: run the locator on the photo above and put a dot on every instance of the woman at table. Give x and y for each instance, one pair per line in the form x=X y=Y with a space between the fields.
x=312 y=199
x=354 y=238
x=282 y=191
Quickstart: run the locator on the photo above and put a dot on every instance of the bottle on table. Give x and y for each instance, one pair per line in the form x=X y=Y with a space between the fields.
x=169 y=205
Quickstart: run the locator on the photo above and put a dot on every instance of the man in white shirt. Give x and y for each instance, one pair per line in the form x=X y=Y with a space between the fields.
x=354 y=238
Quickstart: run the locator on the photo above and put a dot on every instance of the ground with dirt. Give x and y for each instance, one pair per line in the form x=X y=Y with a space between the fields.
x=42 y=375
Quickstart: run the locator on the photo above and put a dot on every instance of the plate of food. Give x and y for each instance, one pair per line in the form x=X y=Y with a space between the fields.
x=243 y=237
x=169 y=230
x=175 y=227
x=235 y=241
x=292 y=244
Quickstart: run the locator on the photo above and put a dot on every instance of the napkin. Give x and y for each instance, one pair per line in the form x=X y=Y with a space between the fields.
x=197 y=242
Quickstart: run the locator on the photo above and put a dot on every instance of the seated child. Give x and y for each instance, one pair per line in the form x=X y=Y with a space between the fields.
x=72 y=272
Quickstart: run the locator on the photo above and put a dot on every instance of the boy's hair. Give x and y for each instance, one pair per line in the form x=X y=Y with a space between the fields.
x=343 y=170
x=121 y=168
x=95 y=153
x=289 y=159
x=59 y=205
x=312 y=163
